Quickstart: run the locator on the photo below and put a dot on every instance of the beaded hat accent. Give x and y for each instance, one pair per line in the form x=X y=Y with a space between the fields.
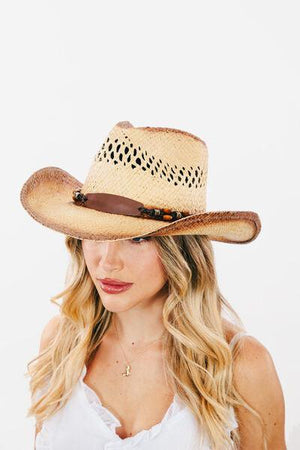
x=143 y=181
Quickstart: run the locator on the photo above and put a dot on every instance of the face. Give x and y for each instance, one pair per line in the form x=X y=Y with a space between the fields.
x=133 y=261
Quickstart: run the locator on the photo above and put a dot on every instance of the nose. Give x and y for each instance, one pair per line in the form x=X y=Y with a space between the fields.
x=110 y=256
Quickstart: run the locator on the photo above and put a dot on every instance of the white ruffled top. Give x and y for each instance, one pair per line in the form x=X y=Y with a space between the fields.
x=112 y=422
x=84 y=423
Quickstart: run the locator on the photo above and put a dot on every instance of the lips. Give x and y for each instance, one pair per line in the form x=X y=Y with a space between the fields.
x=112 y=282
x=115 y=288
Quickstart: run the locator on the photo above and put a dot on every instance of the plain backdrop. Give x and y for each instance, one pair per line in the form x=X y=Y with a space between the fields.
x=226 y=71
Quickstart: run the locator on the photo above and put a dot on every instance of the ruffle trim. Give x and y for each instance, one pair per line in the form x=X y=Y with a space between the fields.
x=112 y=422
x=43 y=436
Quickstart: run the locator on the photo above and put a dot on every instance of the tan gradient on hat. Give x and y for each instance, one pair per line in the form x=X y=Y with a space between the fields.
x=161 y=167
x=46 y=196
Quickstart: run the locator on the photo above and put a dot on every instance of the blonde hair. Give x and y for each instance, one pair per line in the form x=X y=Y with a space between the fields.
x=198 y=357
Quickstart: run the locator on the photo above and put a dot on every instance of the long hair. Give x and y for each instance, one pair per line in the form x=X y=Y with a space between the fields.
x=198 y=358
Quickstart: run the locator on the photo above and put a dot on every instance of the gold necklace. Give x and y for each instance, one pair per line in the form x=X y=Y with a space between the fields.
x=128 y=368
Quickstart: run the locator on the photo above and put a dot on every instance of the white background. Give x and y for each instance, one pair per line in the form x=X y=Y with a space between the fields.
x=226 y=71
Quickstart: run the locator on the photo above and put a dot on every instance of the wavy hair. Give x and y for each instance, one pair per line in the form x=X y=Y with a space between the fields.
x=198 y=358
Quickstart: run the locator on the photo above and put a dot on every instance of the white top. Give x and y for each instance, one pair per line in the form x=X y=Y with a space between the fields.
x=84 y=423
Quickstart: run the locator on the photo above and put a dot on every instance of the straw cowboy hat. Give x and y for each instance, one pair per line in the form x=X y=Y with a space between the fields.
x=143 y=181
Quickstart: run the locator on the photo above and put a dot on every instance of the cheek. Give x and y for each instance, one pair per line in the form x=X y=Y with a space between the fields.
x=90 y=260
x=149 y=272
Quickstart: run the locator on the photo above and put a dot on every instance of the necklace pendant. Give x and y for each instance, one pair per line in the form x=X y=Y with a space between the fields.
x=127 y=371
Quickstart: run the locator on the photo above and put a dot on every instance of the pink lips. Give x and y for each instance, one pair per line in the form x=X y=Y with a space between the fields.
x=115 y=289
x=113 y=281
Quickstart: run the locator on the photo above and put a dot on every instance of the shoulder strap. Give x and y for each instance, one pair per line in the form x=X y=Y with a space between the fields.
x=236 y=337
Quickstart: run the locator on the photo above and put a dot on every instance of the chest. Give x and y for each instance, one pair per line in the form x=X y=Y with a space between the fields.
x=139 y=400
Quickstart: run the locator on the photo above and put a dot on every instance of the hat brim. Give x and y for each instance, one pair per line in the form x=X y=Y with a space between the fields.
x=47 y=197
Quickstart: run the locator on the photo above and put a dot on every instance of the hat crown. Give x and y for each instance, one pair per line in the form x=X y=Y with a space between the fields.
x=142 y=181
x=165 y=167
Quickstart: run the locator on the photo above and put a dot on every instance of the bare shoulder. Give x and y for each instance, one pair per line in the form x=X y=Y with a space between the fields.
x=257 y=381
x=49 y=331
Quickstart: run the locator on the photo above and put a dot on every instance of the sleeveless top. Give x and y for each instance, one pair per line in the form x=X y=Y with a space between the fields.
x=84 y=423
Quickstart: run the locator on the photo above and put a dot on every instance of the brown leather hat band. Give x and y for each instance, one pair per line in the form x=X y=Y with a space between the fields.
x=117 y=204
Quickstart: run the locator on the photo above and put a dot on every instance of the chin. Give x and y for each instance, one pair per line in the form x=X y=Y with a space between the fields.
x=115 y=305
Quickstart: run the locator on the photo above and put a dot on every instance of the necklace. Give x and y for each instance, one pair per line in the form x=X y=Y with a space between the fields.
x=128 y=368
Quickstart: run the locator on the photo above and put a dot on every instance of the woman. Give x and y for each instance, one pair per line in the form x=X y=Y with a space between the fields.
x=151 y=363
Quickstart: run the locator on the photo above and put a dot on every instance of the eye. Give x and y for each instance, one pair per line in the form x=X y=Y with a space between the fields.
x=137 y=241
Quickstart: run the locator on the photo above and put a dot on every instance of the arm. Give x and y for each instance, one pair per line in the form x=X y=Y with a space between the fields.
x=256 y=379
x=47 y=334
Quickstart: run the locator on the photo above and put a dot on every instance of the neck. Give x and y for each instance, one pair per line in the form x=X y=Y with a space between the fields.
x=138 y=326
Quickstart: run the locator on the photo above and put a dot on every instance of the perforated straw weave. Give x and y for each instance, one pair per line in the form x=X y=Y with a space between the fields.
x=143 y=181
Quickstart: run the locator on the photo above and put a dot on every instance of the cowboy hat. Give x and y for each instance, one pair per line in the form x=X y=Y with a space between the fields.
x=143 y=181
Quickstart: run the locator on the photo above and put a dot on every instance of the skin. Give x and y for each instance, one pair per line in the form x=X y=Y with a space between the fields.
x=138 y=319
x=137 y=310
x=258 y=383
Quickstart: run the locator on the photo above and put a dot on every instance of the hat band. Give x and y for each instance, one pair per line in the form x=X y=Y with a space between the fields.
x=117 y=204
